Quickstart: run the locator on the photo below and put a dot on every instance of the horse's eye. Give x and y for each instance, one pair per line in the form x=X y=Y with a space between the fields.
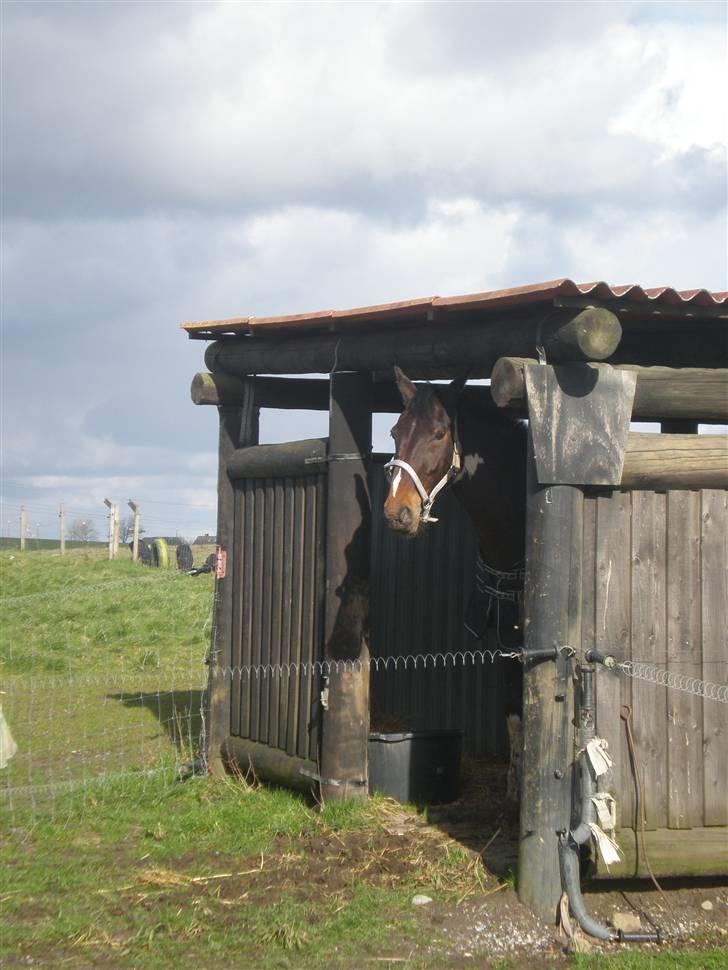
x=440 y=434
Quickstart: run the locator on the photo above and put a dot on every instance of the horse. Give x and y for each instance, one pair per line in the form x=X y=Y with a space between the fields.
x=445 y=439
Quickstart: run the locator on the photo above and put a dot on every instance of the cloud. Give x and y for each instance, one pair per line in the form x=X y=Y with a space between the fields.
x=173 y=161
x=372 y=108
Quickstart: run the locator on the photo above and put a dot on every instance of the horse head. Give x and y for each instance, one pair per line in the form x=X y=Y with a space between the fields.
x=427 y=452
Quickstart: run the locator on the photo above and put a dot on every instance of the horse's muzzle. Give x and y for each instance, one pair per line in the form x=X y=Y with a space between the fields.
x=403 y=520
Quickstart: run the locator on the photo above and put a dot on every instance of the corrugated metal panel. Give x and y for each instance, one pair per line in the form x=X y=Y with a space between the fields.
x=419 y=593
x=422 y=308
x=278 y=609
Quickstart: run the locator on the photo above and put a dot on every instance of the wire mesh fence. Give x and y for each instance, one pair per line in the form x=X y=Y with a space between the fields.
x=103 y=679
x=79 y=732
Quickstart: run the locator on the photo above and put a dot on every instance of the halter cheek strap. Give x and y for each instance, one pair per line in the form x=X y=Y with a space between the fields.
x=428 y=499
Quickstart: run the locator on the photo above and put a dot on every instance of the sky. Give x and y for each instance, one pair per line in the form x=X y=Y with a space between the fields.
x=171 y=161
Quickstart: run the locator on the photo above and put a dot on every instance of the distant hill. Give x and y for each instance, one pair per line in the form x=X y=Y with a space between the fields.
x=30 y=544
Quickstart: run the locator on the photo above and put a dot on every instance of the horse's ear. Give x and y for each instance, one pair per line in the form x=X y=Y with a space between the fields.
x=406 y=388
x=454 y=390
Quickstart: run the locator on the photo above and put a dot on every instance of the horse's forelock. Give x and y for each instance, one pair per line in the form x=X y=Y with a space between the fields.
x=422 y=404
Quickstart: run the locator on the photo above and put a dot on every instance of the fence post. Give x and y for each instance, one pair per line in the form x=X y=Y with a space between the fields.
x=115 y=536
x=110 y=506
x=23 y=526
x=62 y=517
x=136 y=509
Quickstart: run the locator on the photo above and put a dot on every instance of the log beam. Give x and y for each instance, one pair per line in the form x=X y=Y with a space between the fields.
x=589 y=334
x=668 y=461
x=689 y=393
x=298 y=393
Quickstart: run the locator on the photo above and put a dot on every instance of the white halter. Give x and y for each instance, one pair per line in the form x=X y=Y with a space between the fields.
x=428 y=500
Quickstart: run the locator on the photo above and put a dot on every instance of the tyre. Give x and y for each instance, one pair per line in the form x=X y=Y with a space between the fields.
x=160 y=554
x=184 y=557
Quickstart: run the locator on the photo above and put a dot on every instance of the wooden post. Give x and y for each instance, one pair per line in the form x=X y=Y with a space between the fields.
x=578 y=429
x=680 y=426
x=62 y=518
x=137 y=510
x=346 y=706
x=552 y=619
x=23 y=527
x=116 y=529
x=238 y=429
x=110 y=506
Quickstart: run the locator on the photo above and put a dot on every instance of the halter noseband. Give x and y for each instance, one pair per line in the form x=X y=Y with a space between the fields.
x=428 y=499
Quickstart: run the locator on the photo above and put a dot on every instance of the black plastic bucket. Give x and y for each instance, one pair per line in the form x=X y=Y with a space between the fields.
x=416 y=766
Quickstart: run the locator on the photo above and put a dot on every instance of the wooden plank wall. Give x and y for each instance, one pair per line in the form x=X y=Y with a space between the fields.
x=656 y=590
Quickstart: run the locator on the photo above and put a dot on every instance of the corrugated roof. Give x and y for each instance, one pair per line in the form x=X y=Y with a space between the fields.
x=420 y=309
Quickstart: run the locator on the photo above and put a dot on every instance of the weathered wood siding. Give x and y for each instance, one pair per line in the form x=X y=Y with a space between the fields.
x=656 y=591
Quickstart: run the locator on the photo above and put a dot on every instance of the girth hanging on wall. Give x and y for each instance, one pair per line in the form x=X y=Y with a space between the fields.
x=497 y=600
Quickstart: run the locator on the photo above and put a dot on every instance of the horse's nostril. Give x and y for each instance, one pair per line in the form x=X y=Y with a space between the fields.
x=405 y=516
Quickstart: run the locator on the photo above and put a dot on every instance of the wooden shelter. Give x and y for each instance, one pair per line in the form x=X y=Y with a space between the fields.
x=626 y=551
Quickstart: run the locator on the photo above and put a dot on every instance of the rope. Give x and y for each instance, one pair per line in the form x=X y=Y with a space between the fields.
x=625 y=713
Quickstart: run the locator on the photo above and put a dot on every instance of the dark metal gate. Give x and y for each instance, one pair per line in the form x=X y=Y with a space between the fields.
x=278 y=559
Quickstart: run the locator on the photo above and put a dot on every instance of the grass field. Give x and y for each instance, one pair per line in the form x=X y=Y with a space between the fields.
x=109 y=859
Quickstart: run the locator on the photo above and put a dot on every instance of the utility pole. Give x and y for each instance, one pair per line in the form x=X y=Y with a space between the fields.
x=137 y=510
x=23 y=527
x=62 y=517
x=112 y=520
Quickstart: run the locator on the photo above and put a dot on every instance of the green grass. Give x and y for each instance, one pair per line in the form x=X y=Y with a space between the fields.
x=107 y=859
x=82 y=613
x=35 y=544
x=101 y=665
x=635 y=960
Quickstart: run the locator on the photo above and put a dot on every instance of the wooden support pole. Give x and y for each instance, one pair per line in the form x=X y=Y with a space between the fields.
x=62 y=528
x=238 y=428
x=137 y=510
x=345 y=729
x=681 y=425
x=592 y=333
x=23 y=527
x=689 y=394
x=552 y=619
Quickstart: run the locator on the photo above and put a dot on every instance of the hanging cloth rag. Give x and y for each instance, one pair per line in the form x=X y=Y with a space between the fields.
x=8 y=747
